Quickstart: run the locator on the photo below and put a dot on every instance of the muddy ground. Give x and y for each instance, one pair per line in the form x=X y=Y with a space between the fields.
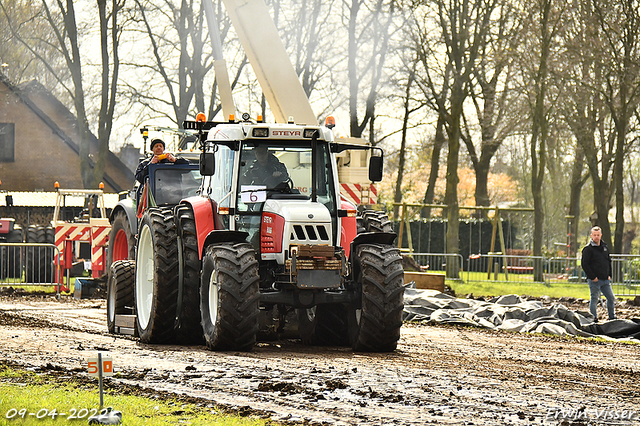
x=438 y=375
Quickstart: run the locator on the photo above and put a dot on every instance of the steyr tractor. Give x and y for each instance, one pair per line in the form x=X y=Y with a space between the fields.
x=249 y=253
x=254 y=252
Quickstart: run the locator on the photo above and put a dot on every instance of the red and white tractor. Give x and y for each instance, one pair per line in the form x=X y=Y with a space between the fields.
x=249 y=254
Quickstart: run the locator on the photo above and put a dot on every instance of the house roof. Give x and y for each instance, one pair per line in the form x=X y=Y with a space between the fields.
x=33 y=88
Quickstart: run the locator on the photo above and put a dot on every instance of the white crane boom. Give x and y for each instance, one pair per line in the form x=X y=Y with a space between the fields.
x=270 y=62
x=219 y=64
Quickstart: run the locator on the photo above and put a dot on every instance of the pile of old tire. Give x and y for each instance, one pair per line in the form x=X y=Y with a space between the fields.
x=39 y=259
x=11 y=257
x=373 y=221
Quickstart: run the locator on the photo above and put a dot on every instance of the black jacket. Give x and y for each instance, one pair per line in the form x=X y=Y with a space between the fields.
x=596 y=261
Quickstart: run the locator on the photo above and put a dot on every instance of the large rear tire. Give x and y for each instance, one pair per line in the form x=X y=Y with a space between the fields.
x=156 y=282
x=324 y=325
x=120 y=291
x=230 y=296
x=375 y=322
x=121 y=239
x=189 y=327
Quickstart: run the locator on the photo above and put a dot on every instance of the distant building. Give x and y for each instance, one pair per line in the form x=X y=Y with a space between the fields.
x=130 y=156
x=39 y=143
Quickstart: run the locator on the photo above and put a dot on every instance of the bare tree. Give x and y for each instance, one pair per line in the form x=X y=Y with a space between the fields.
x=62 y=22
x=110 y=32
x=542 y=21
x=495 y=103
x=26 y=45
x=582 y=108
x=462 y=26
x=181 y=28
x=408 y=110
x=620 y=25
x=367 y=52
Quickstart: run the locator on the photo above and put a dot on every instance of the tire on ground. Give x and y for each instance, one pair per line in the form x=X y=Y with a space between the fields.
x=121 y=240
x=120 y=291
x=230 y=296
x=324 y=325
x=189 y=327
x=374 y=323
x=156 y=277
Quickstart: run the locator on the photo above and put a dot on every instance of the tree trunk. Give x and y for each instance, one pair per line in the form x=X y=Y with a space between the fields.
x=601 y=198
x=438 y=143
x=577 y=181
x=109 y=85
x=403 y=145
x=538 y=140
x=451 y=194
x=75 y=67
x=618 y=178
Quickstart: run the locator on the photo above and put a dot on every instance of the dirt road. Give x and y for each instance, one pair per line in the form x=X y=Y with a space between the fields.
x=438 y=375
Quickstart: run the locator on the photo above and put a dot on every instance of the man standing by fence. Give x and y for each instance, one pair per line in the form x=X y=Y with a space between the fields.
x=596 y=263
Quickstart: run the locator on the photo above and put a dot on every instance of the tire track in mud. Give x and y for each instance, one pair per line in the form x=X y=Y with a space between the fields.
x=438 y=375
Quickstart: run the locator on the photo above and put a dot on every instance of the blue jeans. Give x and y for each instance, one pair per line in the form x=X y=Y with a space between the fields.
x=604 y=287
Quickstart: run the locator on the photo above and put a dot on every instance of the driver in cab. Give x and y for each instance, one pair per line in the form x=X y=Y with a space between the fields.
x=266 y=169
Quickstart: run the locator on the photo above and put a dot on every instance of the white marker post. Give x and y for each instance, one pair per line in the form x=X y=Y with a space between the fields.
x=101 y=367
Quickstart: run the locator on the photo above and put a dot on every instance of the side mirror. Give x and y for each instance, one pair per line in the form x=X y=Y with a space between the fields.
x=375 y=169
x=207 y=164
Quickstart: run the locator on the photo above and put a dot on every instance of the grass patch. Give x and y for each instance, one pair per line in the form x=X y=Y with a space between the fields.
x=40 y=288
x=478 y=284
x=487 y=288
x=21 y=390
x=533 y=289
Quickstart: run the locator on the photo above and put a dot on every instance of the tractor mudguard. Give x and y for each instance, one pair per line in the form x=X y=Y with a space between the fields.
x=386 y=238
x=225 y=236
x=128 y=205
x=349 y=227
x=205 y=212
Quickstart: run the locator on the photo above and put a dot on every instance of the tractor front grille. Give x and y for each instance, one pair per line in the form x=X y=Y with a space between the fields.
x=305 y=233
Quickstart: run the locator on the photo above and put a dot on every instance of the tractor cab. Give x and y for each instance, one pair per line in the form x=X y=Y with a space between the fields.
x=278 y=186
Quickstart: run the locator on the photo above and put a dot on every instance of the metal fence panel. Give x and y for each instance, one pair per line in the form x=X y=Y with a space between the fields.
x=504 y=268
x=28 y=264
x=625 y=278
x=626 y=274
x=447 y=263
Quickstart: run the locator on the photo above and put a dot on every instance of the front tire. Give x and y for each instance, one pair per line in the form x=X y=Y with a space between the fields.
x=375 y=322
x=156 y=288
x=230 y=296
x=120 y=291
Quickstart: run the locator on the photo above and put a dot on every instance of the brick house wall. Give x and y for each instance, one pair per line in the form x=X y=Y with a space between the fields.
x=45 y=148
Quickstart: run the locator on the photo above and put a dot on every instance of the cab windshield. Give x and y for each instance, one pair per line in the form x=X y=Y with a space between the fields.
x=173 y=183
x=282 y=170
